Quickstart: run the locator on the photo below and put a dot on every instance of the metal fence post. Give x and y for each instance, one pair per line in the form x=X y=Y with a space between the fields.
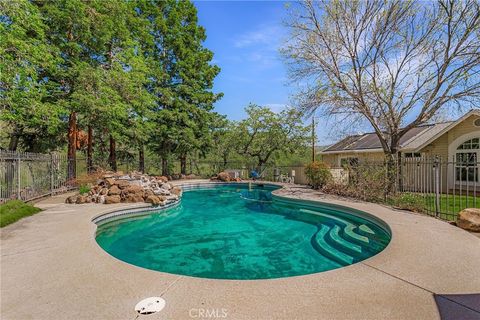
x=436 y=168
x=18 y=176
x=52 y=186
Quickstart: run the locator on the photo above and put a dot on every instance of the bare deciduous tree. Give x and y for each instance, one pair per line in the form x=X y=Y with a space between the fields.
x=393 y=63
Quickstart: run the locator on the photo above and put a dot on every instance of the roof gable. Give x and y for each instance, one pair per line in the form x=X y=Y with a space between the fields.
x=415 y=139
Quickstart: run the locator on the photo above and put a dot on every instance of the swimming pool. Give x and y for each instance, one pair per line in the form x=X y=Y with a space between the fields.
x=237 y=231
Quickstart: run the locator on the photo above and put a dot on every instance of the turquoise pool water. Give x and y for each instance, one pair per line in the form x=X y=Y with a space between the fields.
x=233 y=232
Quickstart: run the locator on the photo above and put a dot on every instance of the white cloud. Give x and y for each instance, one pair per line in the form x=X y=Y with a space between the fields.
x=265 y=35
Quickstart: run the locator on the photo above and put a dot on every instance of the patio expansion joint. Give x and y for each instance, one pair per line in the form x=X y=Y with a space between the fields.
x=171 y=285
x=420 y=287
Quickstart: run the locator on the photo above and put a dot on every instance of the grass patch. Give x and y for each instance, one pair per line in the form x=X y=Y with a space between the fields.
x=15 y=210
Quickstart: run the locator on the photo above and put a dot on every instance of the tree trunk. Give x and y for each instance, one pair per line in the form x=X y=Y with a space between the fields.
x=72 y=146
x=183 y=164
x=391 y=174
x=164 y=166
x=141 y=159
x=113 y=157
x=90 y=150
x=225 y=161
x=14 y=138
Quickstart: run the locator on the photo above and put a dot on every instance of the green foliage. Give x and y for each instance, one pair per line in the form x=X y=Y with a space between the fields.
x=27 y=58
x=266 y=134
x=318 y=174
x=135 y=71
x=84 y=189
x=14 y=210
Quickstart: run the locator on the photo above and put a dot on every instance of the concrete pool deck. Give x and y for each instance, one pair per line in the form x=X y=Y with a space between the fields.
x=52 y=268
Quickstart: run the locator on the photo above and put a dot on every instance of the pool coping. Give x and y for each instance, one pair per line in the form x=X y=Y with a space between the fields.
x=427 y=270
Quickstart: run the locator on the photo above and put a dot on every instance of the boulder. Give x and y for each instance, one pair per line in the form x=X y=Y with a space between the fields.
x=161 y=191
x=71 y=199
x=134 y=197
x=176 y=191
x=191 y=176
x=109 y=182
x=134 y=189
x=166 y=186
x=148 y=192
x=112 y=199
x=89 y=199
x=469 y=219
x=223 y=176
x=122 y=184
x=114 y=190
x=153 y=200
x=81 y=199
x=103 y=191
x=162 y=178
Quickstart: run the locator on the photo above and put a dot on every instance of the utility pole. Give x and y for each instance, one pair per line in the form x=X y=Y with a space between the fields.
x=313 y=138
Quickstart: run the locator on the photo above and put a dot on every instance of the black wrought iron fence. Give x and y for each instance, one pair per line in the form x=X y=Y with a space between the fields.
x=436 y=186
x=27 y=176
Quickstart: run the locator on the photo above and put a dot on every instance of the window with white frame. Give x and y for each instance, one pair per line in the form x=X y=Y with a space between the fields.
x=467 y=157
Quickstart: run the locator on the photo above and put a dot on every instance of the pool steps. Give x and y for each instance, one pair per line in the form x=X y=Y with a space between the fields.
x=344 y=245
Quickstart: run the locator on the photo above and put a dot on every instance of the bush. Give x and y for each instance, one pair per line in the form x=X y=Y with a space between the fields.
x=409 y=201
x=318 y=174
x=83 y=189
x=365 y=182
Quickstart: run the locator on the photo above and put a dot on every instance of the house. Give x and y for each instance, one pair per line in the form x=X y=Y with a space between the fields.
x=456 y=143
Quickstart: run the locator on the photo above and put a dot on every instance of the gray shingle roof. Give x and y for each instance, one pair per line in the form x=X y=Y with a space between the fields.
x=415 y=137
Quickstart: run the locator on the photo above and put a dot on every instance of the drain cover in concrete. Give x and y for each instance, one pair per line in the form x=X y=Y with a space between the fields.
x=150 y=305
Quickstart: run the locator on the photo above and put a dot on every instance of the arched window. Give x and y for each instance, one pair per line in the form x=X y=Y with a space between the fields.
x=467 y=158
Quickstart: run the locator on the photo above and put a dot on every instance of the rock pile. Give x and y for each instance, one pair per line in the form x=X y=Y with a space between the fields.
x=133 y=187
x=224 y=176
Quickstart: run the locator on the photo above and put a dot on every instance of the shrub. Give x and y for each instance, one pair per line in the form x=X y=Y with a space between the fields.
x=318 y=174
x=83 y=189
x=409 y=201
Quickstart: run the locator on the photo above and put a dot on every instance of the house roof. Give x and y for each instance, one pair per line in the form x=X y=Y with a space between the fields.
x=415 y=139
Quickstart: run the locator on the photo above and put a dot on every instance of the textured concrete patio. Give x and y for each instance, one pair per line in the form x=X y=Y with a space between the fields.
x=52 y=268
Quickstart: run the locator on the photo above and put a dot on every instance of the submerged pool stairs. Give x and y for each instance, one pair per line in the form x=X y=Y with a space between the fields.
x=346 y=244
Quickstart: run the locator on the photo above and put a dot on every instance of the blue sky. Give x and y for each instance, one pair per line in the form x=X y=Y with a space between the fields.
x=245 y=37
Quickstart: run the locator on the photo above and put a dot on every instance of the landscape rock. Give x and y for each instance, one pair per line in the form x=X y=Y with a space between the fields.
x=109 y=182
x=132 y=187
x=114 y=190
x=134 y=197
x=469 y=219
x=71 y=199
x=122 y=184
x=81 y=199
x=176 y=191
x=223 y=176
x=153 y=200
x=112 y=199
x=162 y=178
